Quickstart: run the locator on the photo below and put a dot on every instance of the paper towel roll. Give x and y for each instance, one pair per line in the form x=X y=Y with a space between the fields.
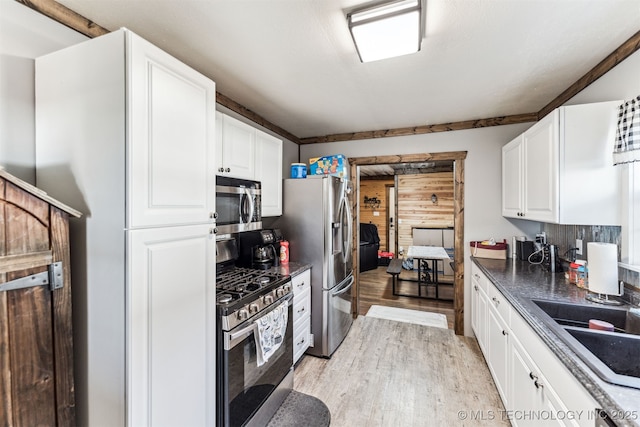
x=602 y=262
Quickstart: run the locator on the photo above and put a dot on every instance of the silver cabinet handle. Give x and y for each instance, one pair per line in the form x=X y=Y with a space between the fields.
x=228 y=170
x=496 y=300
x=301 y=284
x=220 y=169
x=505 y=333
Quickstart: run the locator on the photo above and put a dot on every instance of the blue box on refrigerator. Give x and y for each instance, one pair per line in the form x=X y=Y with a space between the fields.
x=298 y=170
x=335 y=165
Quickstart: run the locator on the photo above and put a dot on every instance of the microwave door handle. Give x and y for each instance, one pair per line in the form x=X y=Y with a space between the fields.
x=246 y=207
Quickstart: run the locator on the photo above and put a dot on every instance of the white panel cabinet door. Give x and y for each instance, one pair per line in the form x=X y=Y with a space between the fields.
x=512 y=175
x=171 y=139
x=541 y=148
x=268 y=169
x=498 y=339
x=238 y=149
x=171 y=329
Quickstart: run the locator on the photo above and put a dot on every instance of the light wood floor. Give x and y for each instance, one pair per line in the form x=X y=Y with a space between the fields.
x=375 y=289
x=389 y=373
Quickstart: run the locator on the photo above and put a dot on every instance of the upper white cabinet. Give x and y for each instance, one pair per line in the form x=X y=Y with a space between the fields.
x=249 y=153
x=561 y=169
x=236 y=148
x=268 y=170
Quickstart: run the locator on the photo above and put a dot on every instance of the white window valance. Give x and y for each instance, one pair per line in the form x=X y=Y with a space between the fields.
x=627 y=143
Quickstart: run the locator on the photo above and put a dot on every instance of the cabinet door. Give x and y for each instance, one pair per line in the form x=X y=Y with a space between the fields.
x=480 y=309
x=531 y=396
x=268 y=171
x=498 y=339
x=170 y=139
x=541 y=151
x=238 y=148
x=512 y=176
x=171 y=326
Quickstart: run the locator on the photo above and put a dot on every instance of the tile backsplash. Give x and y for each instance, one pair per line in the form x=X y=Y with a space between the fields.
x=564 y=236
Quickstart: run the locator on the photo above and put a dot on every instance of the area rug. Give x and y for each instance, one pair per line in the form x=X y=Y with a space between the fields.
x=425 y=318
x=301 y=410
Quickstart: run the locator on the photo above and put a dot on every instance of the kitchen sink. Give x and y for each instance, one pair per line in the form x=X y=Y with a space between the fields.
x=613 y=355
x=568 y=314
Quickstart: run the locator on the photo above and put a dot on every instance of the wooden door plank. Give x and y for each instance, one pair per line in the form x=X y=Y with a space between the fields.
x=31 y=354
x=62 y=322
x=6 y=415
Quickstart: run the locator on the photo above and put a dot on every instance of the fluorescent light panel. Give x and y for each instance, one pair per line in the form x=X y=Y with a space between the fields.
x=392 y=29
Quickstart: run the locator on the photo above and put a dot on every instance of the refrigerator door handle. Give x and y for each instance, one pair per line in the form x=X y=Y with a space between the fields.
x=341 y=289
x=347 y=250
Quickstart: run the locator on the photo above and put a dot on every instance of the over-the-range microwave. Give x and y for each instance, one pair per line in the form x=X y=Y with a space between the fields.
x=238 y=204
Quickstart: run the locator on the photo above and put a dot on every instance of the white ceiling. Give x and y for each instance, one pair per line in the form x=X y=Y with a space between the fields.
x=293 y=61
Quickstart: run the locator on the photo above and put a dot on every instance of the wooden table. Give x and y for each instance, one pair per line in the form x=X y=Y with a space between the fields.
x=427 y=276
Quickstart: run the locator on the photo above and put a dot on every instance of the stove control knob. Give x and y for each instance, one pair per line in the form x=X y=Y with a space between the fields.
x=253 y=308
x=279 y=292
x=268 y=299
x=287 y=289
x=243 y=314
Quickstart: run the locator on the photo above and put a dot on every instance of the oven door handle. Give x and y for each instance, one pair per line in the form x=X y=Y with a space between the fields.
x=231 y=339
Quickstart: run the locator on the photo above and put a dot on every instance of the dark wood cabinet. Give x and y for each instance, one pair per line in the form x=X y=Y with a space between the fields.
x=36 y=334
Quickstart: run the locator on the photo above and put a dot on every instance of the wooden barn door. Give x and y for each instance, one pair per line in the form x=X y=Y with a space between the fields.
x=36 y=363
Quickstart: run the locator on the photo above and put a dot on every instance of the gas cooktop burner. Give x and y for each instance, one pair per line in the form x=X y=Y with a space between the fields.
x=224 y=298
x=238 y=283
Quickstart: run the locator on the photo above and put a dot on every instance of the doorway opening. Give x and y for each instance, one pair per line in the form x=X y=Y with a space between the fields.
x=389 y=217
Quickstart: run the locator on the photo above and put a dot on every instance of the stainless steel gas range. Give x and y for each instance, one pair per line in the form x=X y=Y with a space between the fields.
x=254 y=338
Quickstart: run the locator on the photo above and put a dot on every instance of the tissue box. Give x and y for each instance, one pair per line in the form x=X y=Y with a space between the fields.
x=497 y=251
x=335 y=165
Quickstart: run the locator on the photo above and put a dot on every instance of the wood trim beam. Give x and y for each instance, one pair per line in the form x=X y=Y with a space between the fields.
x=256 y=118
x=408 y=158
x=617 y=56
x=65 y=16
x=419 y=130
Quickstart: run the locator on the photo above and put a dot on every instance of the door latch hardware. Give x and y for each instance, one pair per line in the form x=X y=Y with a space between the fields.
x=53 y=277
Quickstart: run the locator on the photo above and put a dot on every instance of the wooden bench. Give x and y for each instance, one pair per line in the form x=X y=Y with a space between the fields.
x=394 y=269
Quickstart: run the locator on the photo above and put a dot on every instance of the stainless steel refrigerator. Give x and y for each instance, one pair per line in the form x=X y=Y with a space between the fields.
x=317 y=223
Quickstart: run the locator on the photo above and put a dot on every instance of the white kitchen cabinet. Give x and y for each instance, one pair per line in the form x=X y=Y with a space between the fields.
x=532 y=397
x=236 y=148
x=479 y=307
x=531 y=380
x=301 y=313
x=268 y=170
x=126 y=132
x=246 y=152
x=561 y=169
x=171 y=279
x=512 y=176
x=498 y=344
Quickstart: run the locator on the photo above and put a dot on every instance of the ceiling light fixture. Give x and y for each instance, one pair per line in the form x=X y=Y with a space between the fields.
x=387 y=30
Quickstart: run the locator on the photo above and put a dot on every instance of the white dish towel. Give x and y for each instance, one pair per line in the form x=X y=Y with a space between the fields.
x=270 y=332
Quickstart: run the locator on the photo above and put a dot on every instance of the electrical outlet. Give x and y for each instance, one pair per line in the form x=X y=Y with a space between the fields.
x=579 y=246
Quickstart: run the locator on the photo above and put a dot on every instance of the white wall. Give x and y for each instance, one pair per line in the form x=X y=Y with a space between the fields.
x=24 y=35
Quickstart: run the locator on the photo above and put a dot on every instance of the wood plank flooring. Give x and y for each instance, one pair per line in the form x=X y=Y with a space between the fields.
x=389 y=373
x=375 y=289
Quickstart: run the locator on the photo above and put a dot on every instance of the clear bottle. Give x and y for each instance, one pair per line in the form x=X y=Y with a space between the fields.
x=581 y=274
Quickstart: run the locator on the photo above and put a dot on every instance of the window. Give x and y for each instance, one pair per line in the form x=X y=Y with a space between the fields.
x=631 y=216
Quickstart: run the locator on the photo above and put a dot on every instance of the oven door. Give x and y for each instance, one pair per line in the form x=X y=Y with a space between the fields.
x=245 y=385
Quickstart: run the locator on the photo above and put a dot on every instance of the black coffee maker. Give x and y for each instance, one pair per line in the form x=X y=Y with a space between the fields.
x=259 y=249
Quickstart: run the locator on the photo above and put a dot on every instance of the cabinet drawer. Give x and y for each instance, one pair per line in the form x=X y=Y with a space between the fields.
x=478 y=277
x=301 y=305
x=301 y=340
x=499 y=302
x=301 y=282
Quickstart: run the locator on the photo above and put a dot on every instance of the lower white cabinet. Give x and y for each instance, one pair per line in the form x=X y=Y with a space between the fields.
x=534 y=385
x=301 y=313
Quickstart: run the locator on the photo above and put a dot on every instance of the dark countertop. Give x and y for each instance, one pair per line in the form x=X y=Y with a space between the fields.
x=292 y=269
x=520 y=281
